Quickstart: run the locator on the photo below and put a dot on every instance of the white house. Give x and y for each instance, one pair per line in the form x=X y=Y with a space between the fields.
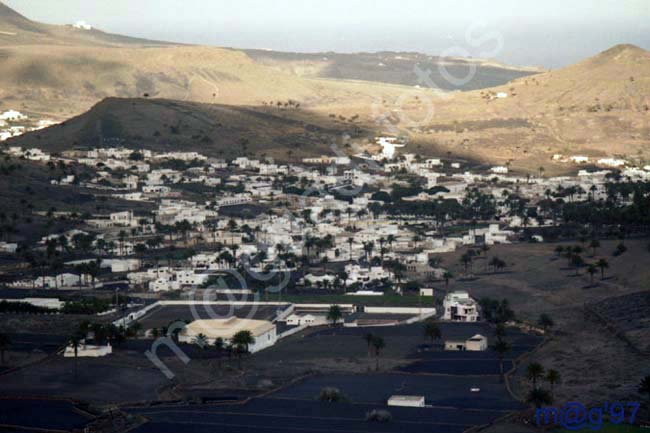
x=477 y=343
x=82 y=25
x=459 y=307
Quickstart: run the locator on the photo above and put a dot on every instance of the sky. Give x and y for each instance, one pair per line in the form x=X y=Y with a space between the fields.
x=549 y=33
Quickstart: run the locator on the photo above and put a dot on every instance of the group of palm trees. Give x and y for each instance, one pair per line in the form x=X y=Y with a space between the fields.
x=375 y=345
x=536 y=373
x=239 y=345
x=575 y=259
x=467 y=260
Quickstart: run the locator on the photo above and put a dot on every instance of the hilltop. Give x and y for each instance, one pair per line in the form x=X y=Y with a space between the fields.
x=62 y=71
x=16 y=29
x=222 y=131
x=597 y=107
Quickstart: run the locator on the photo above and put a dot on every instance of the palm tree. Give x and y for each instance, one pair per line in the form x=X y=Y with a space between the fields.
x=378 y=343
x=577 y=262
x=75 y=342
x=334 y=314
x=500 y=331
x=545 y=322
x=447 y=276
x=539 y=397
x=591 y=270
x=218 y=346
x=594 y=244
x=350 y=242
x=201 y=340
x=466 y=260
x=553 y=378
x=242 y=341
x=644 y=386
x=368 y=337
x=5 y=341
x=432 y=331
x=534 y=372
x=390 y=239
x=559 y=250
x=602 y=264
x=501 y=348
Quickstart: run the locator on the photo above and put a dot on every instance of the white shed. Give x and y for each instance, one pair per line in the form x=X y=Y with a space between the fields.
x=406 y=400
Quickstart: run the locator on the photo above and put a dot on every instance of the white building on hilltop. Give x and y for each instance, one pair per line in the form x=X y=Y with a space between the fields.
x=82 y=25
x=459 y=307
x=389 y=145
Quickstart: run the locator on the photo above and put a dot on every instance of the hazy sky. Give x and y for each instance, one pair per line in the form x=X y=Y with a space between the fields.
x=551 y=33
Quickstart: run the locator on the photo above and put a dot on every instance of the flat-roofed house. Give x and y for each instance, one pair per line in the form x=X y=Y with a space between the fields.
x=263 y=331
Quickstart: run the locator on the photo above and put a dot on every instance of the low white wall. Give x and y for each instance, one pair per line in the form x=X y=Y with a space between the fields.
x=399 y=310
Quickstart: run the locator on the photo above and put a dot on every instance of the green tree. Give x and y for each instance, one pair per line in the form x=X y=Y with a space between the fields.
x=592 y=270
x=594 y=245
x=644 y=386
x=539 y=397
x=368 y=338
x=545 y=321
x=534 y=372
x=602 y=264
x=334 y=315
x=200 y=340
x=378 y=344
x=447 y=276
x=241 y=342
x=501 y=347
x=75 y=343
x=553 y=378
x=432 y=331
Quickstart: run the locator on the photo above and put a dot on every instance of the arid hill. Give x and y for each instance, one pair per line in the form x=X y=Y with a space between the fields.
x=62 y=71
x=15 y=29
x=221 y=131
x=598 y=107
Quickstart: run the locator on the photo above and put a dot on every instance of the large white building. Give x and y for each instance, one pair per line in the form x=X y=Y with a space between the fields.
x=459 y=307
x=264 y=332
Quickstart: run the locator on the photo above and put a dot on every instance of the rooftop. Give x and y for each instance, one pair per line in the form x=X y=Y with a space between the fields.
x=226 y=328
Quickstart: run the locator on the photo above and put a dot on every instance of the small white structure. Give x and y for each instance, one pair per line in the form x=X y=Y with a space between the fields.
x=499 y=169
x=579 y=159
x=306 y=320
x=82 y=25
x=406 y=400
x=477 y=343
x=88 y=351
x=612 y=162
x=459 y=307
x=12 y=116
x=10 y=248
